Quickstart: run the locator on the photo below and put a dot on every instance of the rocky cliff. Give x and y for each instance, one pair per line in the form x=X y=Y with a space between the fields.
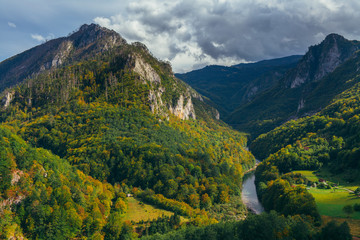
x=165 y=94
x=324 y=71
x=321 y=60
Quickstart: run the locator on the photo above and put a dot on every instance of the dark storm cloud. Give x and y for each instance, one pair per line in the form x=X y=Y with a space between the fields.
x=190 y=33
x=228 y=31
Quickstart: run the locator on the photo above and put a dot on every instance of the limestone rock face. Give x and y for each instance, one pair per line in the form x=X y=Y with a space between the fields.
x=6 y=100
x=146 y=71
x=183 y=107
x=63 y=53
x=184 y=111
x=321 y=60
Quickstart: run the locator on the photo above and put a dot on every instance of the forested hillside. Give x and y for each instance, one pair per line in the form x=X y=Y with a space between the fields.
x=325 y=71
x=121 y=121
x=329 y=138
x=44 y=197
x=230 y=87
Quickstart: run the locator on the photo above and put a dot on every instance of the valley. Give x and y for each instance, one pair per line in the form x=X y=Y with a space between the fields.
x=100 y=139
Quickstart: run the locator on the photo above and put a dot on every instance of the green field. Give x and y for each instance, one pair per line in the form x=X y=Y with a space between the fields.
x=310 y=175
x=330 y=202
x=138 y=211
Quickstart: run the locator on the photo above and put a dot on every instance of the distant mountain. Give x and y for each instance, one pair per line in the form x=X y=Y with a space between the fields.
x=114 y=112
x=230 y=87
x=326 y=70
x=328 y=139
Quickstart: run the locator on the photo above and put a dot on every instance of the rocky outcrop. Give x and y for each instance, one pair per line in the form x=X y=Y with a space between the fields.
x=183 y=111
x=301 y=105
x=183 y=108
x=321 y=60
x=6 y=100
x=146 y=72
x=63 y=53
x=155 y=100
x=17 y=197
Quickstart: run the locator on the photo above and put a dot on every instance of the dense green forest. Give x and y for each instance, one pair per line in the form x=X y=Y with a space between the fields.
x=328 y=139
x=102 y=140
x=119 y=140
x=266 y=226
x=112 y=128
x=44 y=197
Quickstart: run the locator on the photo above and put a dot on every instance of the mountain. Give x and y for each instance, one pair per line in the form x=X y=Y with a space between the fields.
x=112 y=113
x=324 y=72
x=86 y=42
x=230 y=87
x=328 y=139
x=90 y=42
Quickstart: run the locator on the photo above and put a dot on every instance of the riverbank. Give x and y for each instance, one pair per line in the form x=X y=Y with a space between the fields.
x=253 y=168
x=249 y=195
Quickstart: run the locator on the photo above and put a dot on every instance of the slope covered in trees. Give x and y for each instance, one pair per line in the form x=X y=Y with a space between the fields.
x=325 y=71
x=329 y=138
x=44 y=197
x=120 y=117
x=264 y=226
x=230 y=87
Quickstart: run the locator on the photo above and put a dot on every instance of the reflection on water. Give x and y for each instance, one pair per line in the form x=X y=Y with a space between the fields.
x=249 y=196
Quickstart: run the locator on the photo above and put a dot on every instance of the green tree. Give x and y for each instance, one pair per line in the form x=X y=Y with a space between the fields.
x=348 y=210
x=333 y=231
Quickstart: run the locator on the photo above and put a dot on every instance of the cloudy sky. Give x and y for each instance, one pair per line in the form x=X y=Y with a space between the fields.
x=188 y=33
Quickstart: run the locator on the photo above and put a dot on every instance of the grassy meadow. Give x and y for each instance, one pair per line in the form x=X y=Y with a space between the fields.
x=139 y=211
x=330 y=202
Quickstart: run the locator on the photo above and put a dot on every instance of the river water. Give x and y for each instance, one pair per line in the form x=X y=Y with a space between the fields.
x=248 y=195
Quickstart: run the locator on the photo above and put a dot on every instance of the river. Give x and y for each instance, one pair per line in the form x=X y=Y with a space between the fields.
x=248 y=195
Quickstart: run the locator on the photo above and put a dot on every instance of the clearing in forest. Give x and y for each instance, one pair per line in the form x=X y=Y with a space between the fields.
x=138 y=211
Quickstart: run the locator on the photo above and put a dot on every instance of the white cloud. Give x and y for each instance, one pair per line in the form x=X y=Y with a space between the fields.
x=41 y=38
x=11 y=24
x=194 y=33
x=38 y=37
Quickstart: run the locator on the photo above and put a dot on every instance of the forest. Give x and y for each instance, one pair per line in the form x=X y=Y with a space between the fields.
x=328 y=139
x=83 y=143
x=89 y=137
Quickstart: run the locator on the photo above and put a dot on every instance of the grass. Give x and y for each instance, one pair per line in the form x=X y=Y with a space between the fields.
x=353 y=224
x=310 y=175
x=139 y=211
x=331 y=203
x=338 y=178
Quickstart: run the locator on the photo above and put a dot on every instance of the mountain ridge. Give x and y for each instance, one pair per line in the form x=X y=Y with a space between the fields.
x=229 y=87
x=304 y=90
x=56 y=52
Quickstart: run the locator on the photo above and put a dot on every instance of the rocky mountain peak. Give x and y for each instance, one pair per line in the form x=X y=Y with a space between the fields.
x=333 y=38
x=89 y=40
x=321 y=60
x=88 y=34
